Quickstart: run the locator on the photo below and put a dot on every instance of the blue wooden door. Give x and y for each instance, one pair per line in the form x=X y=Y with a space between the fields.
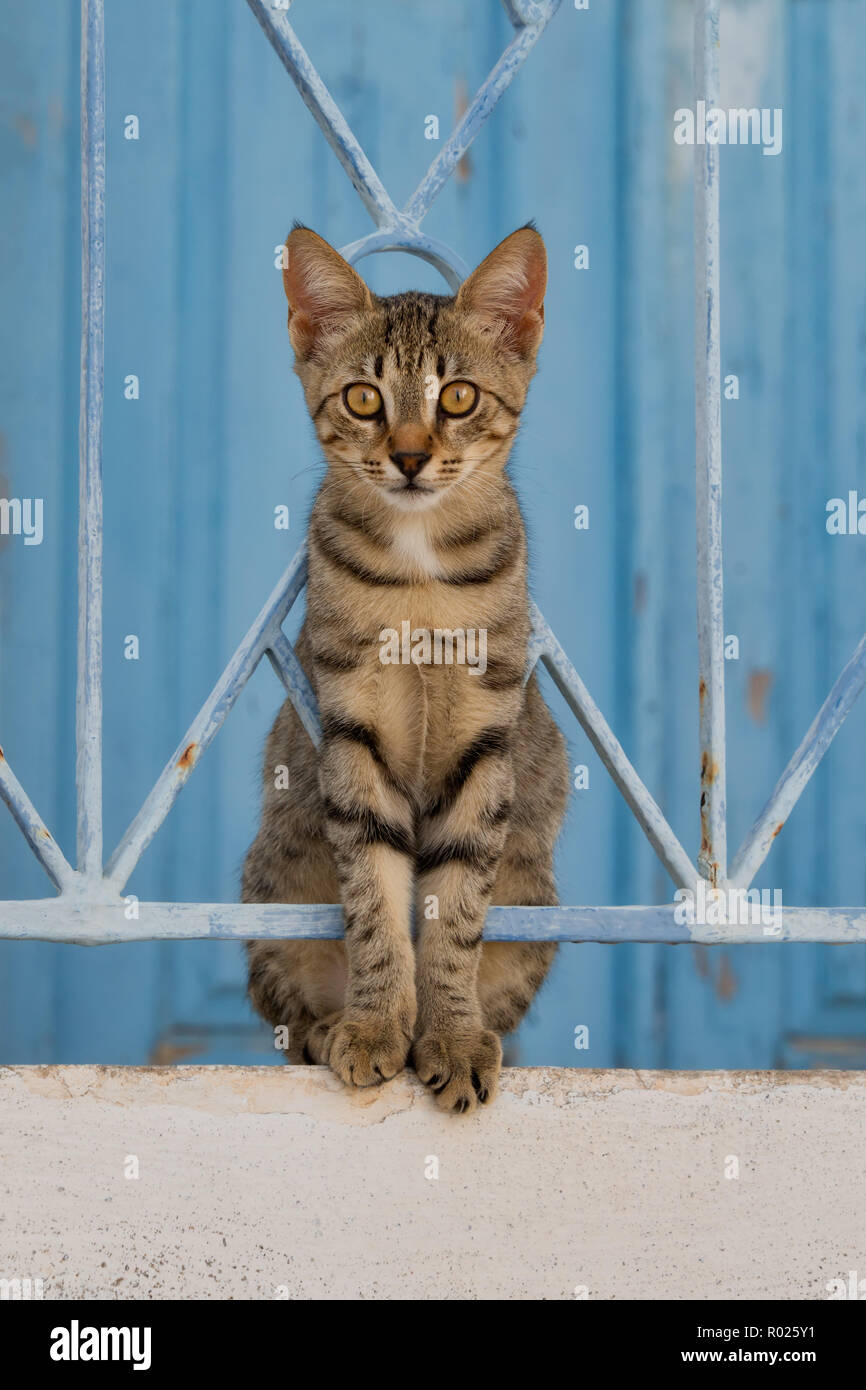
x=214 y=438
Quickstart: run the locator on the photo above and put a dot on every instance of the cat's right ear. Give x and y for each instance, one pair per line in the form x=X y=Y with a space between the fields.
x=321 y=289
x=506 y=291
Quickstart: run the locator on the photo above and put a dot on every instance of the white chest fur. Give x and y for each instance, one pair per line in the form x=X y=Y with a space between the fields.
x=411 y=544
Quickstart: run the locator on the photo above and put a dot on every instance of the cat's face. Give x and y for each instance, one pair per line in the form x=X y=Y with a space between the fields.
x=414 y=394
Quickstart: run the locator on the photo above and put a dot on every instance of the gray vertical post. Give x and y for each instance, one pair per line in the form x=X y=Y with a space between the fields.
x=712 y=857
x=88 y=721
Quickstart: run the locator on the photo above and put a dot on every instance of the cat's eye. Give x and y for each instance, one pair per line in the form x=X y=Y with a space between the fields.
x=363 y=400
x=458 y=398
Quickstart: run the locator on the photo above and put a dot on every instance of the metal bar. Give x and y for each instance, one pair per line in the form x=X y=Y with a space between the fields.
x=450 y=266
x=646 y=811
x=522 y=12
x=206 y=725
x=712 y=857
x=327 y=114
x=88 y=923
x=795 y=778
x=480 y=108
x=282 y=657
x=35 y=832
x=539 y=641
x=88 y=723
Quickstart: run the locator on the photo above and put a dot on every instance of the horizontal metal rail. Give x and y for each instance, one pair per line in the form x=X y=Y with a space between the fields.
x=83 y=922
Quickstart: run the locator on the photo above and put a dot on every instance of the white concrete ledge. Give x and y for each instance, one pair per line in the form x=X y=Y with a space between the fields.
x=266 y=1182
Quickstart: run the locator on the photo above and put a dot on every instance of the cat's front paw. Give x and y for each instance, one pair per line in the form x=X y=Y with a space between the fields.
x=364 y=1052
x=461 y=1069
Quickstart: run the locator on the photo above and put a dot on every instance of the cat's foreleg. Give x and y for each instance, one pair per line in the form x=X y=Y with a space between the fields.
x=461 y=840
x=369 y=822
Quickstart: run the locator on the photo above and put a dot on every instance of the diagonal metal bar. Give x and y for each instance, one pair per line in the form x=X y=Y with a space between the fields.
x=88 y=717
x=33 y=828
x=478 y=112
x=204 y=728
x=290 y=671
x=327 y=114
x=646 y=811
x=539 y=641
x=524 y=11
x=530 y=18
x=795 y=778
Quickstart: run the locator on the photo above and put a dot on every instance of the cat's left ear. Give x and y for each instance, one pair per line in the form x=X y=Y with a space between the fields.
x=507 y=290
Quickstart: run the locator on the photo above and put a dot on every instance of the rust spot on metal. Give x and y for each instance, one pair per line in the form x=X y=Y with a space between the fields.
x=2 y=758
x=709 y=773
x=705 y=827
x=45 y=833
x=710 y=866
x=702 y=690
x=778 y=828
x=188 y=756
x=709 y=770
x=760 y=683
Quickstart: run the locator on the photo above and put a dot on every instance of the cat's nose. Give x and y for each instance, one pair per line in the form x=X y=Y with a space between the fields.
x=410 y=461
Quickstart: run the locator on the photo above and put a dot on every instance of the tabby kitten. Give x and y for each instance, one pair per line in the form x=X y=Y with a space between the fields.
x=437 y=785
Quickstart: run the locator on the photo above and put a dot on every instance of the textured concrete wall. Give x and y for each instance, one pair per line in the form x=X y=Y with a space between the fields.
x=274 y=1182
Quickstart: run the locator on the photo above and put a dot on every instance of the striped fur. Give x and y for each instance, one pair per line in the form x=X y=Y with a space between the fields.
x=437 y=790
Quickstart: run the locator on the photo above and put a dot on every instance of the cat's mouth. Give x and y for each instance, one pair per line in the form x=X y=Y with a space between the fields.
x=411 y=489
